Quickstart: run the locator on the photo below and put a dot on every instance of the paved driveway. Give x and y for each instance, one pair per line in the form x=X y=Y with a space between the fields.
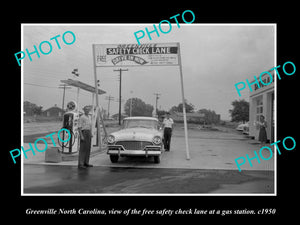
x=211 y=168
x=208 y=150
x=51 y=179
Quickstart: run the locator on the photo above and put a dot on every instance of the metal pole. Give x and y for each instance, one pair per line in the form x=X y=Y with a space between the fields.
x=64 y=86
x=63 y=102
x=109 y=98
x=120 y=92
x=97 y=98
x=77 y=99
x=183 y=105
x=120 y=96
x=156 y=105
x=93 y=96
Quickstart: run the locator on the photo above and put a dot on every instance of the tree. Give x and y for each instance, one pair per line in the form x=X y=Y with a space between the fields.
x=37 y=110
x=189 y=107
x=139 y=107
x=210 y=116
x=240 y=111
x=31 y=108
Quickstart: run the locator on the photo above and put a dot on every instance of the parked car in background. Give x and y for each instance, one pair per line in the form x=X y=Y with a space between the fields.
x=139 y=136
x=246 y=128
x=241 y=126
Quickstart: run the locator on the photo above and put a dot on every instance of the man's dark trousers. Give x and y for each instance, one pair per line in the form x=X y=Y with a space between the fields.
x=167 y=138
x=85 y=148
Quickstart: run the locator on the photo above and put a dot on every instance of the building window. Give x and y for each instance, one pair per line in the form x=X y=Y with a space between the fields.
x=259 y=108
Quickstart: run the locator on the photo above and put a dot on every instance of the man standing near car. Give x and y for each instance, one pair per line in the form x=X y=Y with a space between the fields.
x=168 y=126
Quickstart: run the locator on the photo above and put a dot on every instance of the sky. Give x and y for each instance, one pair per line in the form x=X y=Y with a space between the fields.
x=214 y=58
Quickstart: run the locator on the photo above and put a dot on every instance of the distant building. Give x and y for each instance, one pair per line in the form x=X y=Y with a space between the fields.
x=197 y=117
x=53 y=111
x=190 y=117
x=116 y=116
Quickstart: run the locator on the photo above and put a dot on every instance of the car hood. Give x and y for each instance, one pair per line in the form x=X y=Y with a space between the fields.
x=136 y=134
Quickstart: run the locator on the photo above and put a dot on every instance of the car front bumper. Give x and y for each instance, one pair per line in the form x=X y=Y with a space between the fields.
x=147 y=151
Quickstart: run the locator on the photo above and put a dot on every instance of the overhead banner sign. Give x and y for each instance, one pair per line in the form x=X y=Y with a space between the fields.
x=156 y=54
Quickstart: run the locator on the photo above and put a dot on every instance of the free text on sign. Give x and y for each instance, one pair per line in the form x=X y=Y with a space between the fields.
x=136 y=55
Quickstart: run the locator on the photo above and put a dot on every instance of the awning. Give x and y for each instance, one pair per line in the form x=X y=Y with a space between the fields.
x=79 y=84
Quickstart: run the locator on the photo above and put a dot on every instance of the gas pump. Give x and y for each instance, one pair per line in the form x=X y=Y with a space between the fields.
x=70 y=122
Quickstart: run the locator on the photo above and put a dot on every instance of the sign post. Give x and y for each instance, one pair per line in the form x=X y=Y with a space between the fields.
x=183 y=107
x=154 y=54
x=97 y=102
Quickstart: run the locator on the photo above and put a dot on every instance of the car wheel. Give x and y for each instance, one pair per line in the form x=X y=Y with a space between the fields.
x=157 y=159
x=114 y=158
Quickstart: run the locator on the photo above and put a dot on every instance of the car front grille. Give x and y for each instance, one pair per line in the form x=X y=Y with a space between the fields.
x=133 y=145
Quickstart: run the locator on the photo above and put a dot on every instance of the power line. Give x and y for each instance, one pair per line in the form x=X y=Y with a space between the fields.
x=64 y=86
x=39 y=85
x=109 y=98
x=52 y=87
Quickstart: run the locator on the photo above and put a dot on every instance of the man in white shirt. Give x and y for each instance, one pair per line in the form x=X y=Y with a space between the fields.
x=85 y=127
x=168 y=126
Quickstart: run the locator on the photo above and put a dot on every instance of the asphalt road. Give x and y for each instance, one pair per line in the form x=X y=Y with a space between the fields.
x=119 y=180
x=211 y=169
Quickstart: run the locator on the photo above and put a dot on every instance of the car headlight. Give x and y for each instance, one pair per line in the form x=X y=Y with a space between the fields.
x=111 y=139
x=156 y=140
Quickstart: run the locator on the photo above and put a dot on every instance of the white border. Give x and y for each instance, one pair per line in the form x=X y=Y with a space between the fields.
x=147 y=194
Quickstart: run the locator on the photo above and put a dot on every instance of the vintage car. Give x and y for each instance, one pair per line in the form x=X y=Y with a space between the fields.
x=241 y=126
x=246 y=128
x=139 y=136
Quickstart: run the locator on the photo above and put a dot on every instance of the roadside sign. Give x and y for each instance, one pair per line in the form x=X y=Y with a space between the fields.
x=157 y=54
x=154 y=54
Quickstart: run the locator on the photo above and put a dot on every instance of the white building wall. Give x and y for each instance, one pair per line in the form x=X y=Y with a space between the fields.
x=260 y=103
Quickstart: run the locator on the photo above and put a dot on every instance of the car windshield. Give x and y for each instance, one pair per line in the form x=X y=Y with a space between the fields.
x=150 y=124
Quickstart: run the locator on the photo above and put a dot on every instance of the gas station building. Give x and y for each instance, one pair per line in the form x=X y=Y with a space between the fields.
x=262 y=102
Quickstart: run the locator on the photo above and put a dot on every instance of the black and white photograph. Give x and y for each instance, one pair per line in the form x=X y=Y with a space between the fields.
x=124 y=111
x=145 y=109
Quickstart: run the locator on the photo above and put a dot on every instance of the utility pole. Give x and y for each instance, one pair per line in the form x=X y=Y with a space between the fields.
x=120 y=92
x=109 y=98
x=64 y=86
x=156 y=100
x=118 y=100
